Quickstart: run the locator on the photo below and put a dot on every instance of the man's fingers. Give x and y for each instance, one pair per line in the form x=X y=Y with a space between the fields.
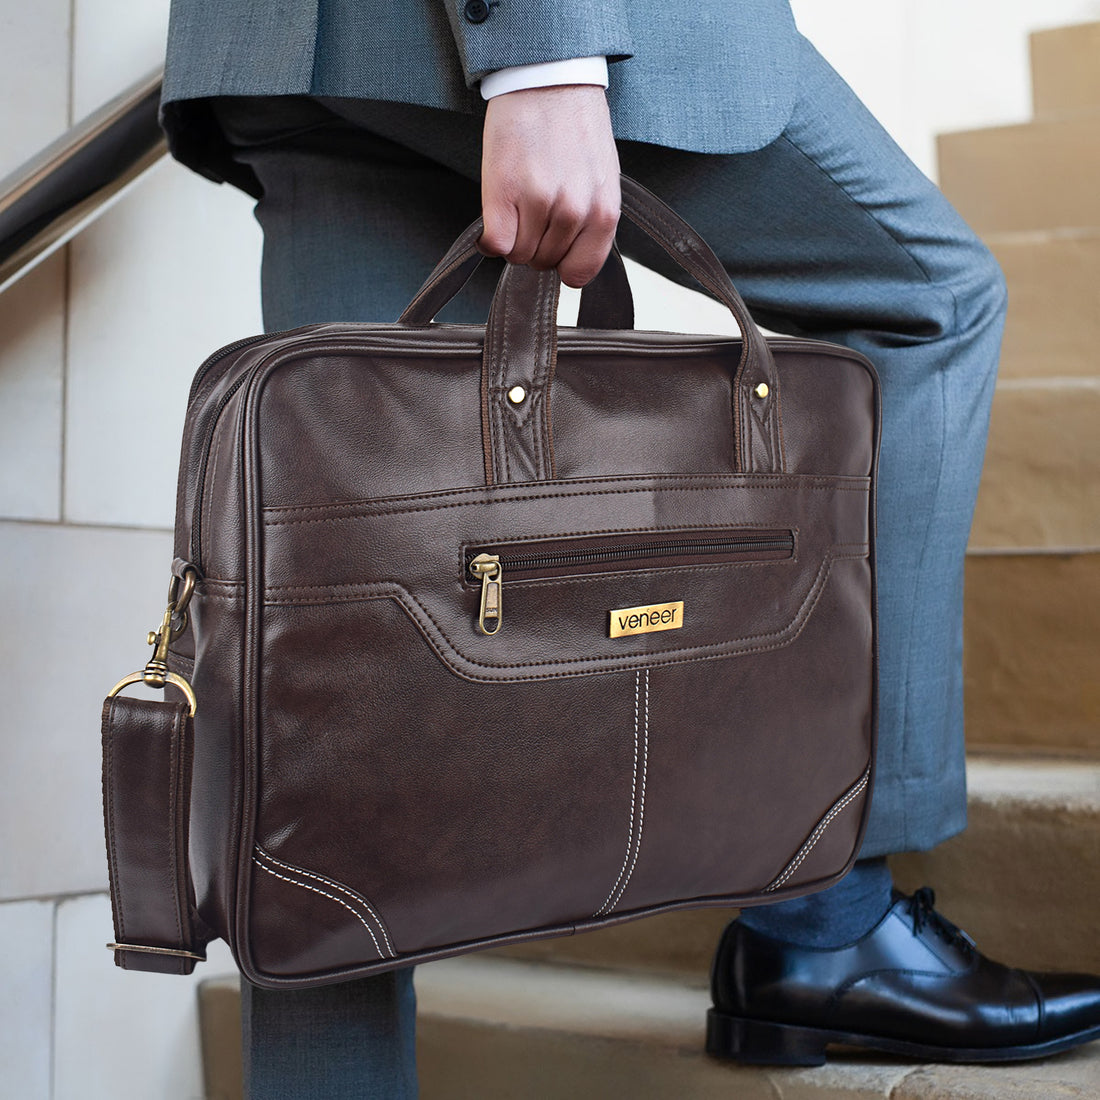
x=566 y=220
x=578 y=238
x=498 y=238
x=517 y=230
x=533 y=230
x=561 y=235
x=588 y=250
x=535 y=213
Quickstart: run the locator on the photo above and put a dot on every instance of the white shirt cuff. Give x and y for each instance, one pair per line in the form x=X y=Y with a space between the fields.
x=543 y=74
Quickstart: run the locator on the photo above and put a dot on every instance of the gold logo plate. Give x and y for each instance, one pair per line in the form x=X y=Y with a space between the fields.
x=647 y=619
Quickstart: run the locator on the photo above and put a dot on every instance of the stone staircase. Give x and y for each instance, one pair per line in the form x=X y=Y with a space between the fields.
x=619 y=1013
x=1033 y=604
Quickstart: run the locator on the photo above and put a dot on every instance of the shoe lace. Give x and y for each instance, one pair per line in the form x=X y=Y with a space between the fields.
x=922 y=908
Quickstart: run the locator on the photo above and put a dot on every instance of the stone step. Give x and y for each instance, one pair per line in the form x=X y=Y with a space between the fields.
x=1040 y=487
x=1038 y=175
x=1023 y=880
x=1032 y=635
x=1065 y=69
x=1053 y=327
x=620 y=1012
x=498 y=1028
x=1024 y=877
x=490 y=1029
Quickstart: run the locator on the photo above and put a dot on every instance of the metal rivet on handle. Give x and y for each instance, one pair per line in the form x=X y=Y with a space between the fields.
x=516 y=395
x=762 y=390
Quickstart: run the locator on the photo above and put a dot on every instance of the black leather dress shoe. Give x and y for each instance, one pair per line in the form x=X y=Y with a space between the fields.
x=914 y=985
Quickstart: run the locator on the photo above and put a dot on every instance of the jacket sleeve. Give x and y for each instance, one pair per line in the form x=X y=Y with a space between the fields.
x=496 y=34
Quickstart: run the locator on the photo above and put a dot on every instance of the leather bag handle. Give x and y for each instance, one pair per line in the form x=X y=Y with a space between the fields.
x=521 y=345
x=606 y=301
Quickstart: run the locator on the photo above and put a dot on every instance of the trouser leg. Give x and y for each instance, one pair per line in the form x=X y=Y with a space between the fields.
x=832 y=232
x=351 y=1041
x=353 y=220
x=335 y=221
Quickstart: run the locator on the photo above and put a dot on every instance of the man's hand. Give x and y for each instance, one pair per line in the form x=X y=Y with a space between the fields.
x=550 y=180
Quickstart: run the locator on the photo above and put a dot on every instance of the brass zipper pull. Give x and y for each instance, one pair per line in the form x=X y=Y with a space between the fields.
x=488 y=569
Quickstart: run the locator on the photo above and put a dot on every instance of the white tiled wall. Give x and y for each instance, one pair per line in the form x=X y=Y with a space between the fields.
x=928 y=66
x=114 y=43
x=158 y=283
x=121 y=1035
x=95 y=360
x=26 y=978
x=31 y=380
x=75 y=606
x=75 y=1027
x=91 y=401
x=34 y=78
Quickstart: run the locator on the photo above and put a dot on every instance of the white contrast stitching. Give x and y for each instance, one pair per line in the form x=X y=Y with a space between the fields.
x=641 y=811
x=633 y=792
x=816 y=835
x=323 y=893
x=336 y=886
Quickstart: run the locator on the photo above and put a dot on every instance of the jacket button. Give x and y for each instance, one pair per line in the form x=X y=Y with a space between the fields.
x=477 y=11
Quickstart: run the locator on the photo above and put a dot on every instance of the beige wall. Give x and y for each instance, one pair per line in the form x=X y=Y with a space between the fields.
x=928 y=66
x=97 y=348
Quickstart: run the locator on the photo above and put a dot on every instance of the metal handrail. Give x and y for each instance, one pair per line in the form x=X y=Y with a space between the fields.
x=77 y=178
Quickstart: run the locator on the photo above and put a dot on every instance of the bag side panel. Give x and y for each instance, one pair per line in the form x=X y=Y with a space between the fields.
x=217 y=617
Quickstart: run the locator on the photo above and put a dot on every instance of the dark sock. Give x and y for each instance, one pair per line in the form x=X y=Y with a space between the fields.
x=832 y=917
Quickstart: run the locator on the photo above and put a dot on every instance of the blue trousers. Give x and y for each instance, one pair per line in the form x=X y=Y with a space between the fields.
x=829 y=232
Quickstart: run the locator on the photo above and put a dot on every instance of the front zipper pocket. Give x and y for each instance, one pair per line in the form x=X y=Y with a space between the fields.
x=488 y=566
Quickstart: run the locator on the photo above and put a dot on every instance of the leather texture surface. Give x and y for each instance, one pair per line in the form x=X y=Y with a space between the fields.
x=914 y=980
x=147 y=751
x=376 y=781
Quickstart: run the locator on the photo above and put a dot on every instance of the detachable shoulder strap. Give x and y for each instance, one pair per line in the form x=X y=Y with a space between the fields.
x=147 y=754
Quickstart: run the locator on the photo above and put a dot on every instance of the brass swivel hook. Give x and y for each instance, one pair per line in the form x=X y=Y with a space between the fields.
x=156 y=673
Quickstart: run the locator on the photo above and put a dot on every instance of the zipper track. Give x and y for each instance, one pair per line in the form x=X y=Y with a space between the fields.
x=220 y=354
x=206 y=368
x=201 y=375
x=642 y=551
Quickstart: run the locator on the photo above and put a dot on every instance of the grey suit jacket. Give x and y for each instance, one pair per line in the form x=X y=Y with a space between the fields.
x=716 y=76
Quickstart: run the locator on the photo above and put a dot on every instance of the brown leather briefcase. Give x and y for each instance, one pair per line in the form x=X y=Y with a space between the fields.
x=500 y=632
